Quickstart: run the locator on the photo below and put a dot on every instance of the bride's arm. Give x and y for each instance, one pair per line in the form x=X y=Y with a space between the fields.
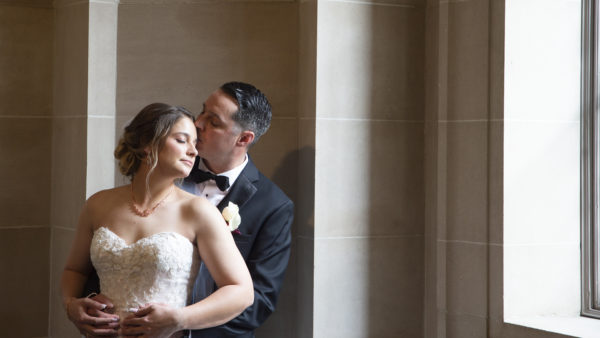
x=227 y=267
x=74 y=276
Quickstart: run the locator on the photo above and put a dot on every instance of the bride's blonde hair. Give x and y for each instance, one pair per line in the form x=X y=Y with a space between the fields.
x=144 y=137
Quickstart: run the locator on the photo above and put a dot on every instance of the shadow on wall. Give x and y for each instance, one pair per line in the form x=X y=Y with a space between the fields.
x=285 y=320
x=394 y=157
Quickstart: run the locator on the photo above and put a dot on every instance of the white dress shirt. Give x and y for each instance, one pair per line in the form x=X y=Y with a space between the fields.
x=209 y=188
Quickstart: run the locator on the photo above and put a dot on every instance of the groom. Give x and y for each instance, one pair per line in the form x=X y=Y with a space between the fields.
x=233 y=119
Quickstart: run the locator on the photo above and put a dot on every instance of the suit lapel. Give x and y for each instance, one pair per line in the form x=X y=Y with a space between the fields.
x=243 y=188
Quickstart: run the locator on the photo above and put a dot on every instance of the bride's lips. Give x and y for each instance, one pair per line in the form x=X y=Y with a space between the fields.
x=189 y=163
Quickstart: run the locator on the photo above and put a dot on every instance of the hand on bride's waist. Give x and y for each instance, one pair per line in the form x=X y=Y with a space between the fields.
x=152 y=320
x=91 y=317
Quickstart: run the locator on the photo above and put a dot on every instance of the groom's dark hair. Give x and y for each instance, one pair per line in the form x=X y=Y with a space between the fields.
x=254 y=110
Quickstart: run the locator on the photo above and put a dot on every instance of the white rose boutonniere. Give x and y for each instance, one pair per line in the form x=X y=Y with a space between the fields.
x=231 y=214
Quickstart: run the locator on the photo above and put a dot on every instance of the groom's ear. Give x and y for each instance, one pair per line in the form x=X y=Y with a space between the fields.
x=246 y=138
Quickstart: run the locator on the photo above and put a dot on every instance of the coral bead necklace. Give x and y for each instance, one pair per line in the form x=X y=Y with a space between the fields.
x=146 y=212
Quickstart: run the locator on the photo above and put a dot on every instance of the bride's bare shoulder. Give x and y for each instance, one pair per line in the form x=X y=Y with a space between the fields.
x=198 y=208
x=194 y=203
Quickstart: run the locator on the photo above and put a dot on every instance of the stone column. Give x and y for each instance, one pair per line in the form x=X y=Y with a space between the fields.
x=368 y=223
x=83 y=126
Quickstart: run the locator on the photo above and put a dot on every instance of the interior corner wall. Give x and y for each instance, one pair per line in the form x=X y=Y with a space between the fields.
x=26 y=35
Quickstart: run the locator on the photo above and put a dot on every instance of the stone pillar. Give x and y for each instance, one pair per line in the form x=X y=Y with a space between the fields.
x=83 y=126
x=368 y=223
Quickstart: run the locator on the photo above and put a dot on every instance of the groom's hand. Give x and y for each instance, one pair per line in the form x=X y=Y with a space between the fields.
x=152 y=320
x=95 y=312
x=78 y=311
x=107 y=312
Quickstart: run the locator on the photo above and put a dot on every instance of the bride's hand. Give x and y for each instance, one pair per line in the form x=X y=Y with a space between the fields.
x=152 y=320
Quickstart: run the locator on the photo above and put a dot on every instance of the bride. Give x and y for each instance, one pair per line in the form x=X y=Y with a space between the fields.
x=145 y=239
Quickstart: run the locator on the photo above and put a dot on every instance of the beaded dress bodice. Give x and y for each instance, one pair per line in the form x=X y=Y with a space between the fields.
x=157 y=269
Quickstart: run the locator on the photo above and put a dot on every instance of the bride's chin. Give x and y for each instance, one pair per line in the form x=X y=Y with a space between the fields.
x=186 y=173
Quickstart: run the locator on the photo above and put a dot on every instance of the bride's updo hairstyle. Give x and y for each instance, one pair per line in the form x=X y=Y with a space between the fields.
x=144 y=136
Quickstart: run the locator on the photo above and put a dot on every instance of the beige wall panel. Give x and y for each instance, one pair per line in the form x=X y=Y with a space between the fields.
x=157 y=2
x=467 y=278
x=368 y=287
x=102 y=64
x=205 y=46
x=496 y=182
x=467 y=178
x=68 y=170
x=60 y=326
x=24 y=282
x=100 y=158
x=497 y=42
x=276 y=154
x=304 y=292
x=305 y=203
x=28 y=3
x=468 y=59
x=370 y=61
x=496 y=282
x=465 y=326
x=188 y=2
x=71 y=60
x=433 y=209
x=369 y=178
x=26 y=61
x=307 y=58
x=25 y=171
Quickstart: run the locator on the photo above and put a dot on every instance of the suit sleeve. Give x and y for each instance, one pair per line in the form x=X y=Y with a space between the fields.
x=267 y=263
x=92 y=285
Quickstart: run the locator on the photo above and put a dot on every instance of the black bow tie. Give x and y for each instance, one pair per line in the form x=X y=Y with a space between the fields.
x=198 y=176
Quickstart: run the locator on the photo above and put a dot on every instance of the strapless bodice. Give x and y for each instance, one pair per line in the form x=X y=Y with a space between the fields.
x=157 y=269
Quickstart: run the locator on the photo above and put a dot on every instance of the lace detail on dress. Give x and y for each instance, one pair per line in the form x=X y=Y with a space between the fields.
x=157 y=269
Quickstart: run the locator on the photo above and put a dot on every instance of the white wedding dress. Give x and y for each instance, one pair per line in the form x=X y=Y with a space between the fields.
x=160 y=268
